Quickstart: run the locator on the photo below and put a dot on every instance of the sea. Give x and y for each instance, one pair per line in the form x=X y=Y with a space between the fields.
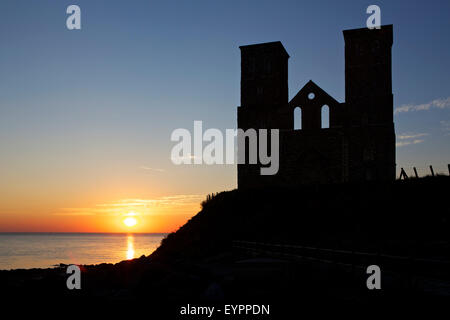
x=45 y=250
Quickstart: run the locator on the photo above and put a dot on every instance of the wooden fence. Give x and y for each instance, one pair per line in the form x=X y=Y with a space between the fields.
x=441 y=170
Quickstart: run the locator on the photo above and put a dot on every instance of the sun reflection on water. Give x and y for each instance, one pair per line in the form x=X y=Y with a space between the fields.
x=130 y=250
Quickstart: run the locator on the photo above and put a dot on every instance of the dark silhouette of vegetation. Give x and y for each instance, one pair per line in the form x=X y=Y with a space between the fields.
x=393 y=217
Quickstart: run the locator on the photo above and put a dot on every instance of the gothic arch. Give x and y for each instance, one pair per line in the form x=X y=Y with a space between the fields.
x=297 y=118
x=325 y=116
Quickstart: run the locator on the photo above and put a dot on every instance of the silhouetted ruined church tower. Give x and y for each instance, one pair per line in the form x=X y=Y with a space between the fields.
x=359 y=142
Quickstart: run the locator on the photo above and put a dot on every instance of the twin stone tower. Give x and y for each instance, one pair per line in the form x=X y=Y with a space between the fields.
x=359 y=142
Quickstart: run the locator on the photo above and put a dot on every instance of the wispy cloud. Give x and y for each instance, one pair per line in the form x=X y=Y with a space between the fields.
x=152 y=169
x=410 y=138
x=411 y=135
x=176 y=200
x=405 y=143
x=445 y=126
x=186 y=202
x=438 y=103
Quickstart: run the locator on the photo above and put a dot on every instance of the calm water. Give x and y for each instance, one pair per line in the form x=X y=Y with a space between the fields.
x=42 y=250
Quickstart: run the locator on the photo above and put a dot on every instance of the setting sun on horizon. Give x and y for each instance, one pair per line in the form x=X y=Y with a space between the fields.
x=130 y=221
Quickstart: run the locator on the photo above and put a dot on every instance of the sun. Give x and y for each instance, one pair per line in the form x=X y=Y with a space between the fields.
x=130 y=221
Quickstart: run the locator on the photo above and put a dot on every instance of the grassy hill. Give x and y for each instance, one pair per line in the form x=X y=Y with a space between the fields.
x=402 y=216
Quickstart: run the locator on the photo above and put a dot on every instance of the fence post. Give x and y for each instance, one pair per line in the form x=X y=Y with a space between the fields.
x=403 y=174
x=432 y=171
x=415 y=172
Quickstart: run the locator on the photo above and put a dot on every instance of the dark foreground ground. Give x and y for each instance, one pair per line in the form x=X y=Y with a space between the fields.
x=403 y=227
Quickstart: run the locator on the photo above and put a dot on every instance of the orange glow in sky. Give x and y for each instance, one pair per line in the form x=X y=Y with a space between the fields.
x=157 y=215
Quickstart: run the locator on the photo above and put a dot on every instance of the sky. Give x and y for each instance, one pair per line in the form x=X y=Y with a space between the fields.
x=86 y=115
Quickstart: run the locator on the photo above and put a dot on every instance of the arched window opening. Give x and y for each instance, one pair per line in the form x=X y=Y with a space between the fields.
x=325 y=117
x=297 y=118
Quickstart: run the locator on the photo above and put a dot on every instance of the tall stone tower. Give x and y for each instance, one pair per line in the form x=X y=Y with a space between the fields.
x=264 y=85
x=264 y=76
x=264 y=96
x=368 y=80
x=369 y=102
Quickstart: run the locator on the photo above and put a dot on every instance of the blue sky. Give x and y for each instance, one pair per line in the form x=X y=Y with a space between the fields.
x=83 y=110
